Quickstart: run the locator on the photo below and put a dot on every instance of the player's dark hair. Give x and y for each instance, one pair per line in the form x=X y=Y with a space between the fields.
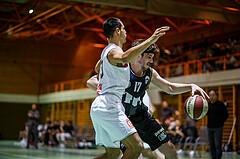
x=110 y=25
x=153 y=48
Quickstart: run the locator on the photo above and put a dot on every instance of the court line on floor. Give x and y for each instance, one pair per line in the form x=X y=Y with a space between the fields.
x=23 y=156
x=47 y=150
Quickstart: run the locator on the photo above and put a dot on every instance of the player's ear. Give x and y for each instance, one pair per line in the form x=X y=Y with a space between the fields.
x=117 y=31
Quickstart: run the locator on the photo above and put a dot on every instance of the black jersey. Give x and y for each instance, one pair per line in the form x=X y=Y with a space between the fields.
x=133 y=97
x=147 y=127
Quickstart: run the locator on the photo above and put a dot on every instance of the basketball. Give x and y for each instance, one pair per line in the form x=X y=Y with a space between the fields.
x=196 y=107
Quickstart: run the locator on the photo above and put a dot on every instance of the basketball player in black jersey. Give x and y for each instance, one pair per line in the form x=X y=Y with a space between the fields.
x=141 y=75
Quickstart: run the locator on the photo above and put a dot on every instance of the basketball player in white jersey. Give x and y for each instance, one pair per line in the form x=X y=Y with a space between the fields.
x=107 y=112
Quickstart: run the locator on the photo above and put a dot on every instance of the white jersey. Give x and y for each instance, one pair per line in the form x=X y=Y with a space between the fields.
x=112 y=79
x=107 y=112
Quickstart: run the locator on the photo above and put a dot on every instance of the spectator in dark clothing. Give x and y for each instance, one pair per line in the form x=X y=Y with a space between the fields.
x=66 y=131
x=177 y=132
x=191 y=128
x=216 y=49
x=166 y=123
x=168 y=112
x=33 y=119
x=55 y=130
x=69 y=128
x=48 y=137
x=217 y=115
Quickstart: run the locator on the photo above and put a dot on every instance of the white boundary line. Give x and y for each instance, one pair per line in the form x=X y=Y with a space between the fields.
x=23 y=156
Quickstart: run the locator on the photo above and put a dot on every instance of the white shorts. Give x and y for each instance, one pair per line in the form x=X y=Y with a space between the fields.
x=109 y=121
x=145 y=145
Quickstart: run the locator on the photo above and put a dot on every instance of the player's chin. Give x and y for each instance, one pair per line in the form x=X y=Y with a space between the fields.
x=125 y=40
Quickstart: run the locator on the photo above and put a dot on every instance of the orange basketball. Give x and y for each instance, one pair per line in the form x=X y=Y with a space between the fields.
x=196 y=107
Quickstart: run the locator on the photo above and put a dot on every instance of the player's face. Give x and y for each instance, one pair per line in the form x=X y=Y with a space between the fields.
x=146 y=60
x=123 y=33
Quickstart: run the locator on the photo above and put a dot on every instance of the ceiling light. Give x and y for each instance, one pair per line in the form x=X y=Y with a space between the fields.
x=30 y=11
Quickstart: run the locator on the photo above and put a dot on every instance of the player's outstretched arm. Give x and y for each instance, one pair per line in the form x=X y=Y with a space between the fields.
x=93 y=82
x=175 y=88
x=117 y=55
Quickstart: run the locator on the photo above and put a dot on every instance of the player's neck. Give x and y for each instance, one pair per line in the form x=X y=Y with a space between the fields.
x=116 y=42
x=136 y=69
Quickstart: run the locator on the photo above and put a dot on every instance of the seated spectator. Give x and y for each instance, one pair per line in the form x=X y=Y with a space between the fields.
x=216 y=49
x=55 y=131
x=231 y=46
x=69 y=128
x=179 y=70
x=190 y=127
x=177 y=50
x=177 y=133
x=40 y=129
x=173 y=120
x=166 y=123
x=23 y=135
x=231 y=62
x=167 y=112
x=47 y=133
x=59 y=135
x=66 y=131
x=190 y=130
x=219 y=64
x=164 y=56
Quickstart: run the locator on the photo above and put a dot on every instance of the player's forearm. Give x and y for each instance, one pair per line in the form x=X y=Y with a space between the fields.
x=171 y=88
x=132 y=53
x=177 y=88
x=168 y=87
x=93 y=82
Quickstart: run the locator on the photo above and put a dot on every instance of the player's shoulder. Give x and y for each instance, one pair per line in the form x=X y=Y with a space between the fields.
x=153 y=71
x=150 y=69
x=116 y=50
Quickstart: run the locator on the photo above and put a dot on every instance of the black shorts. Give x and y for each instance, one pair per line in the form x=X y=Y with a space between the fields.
x=149 y=129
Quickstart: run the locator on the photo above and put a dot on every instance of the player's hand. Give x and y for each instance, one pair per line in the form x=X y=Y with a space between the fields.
x=159 y=32
x=196 y=88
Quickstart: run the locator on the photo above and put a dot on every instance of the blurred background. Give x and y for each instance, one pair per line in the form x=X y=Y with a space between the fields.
x=48 y=50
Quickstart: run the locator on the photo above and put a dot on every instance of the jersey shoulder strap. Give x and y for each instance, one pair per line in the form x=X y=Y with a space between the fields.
x=150 y=76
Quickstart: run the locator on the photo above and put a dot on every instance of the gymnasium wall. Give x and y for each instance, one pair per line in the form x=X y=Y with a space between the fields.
x=13 y=118
x=26 y=65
